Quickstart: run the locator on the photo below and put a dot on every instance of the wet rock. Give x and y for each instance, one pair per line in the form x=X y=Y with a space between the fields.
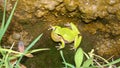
x=108 y=48
x=118 y=14
x=51 y=5
x=23 y=36
x=47 y=4
x=1 y=3
x=94 y=27
x=8 y=6
x=113 y=28
x=70 y=5
x=16 y=34
x=89 y=10
x=111 y=2
x=111 y=9
x=108 y=37
x=61 y=9
x=40 y=13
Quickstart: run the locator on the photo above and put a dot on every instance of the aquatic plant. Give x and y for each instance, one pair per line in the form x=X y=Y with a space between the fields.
x=78 y=59
x=8 y=58
x=90 y=61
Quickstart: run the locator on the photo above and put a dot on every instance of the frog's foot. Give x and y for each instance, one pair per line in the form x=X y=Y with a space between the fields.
x=72 y=47
x=58 y=47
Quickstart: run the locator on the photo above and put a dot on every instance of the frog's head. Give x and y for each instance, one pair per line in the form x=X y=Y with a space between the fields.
x=56 y=29
x=55 y=33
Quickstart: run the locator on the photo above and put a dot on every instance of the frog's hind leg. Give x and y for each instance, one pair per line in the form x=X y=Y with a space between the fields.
x=74 y=28
x=77 y=42
x=62 y=45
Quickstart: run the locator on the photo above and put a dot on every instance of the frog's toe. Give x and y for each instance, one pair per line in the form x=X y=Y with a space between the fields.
x=58 y=47
x=73 y=48
x=59 y=44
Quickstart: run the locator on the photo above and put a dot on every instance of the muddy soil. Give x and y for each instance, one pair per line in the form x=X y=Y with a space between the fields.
x=98 y=22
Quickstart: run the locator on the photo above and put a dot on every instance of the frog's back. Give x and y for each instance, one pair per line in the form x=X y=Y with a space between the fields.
x=68 y=34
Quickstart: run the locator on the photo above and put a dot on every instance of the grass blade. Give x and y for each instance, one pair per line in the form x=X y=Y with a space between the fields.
x=4 y=14
x=36 y=50
x=31 y=45
x=61 y=53
x=113 y=62
x=8 y=21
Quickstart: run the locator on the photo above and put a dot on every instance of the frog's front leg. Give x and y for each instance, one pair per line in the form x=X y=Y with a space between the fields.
x=77 y=42
x=62 y=45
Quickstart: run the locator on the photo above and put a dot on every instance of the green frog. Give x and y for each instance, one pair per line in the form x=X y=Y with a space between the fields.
x=66 y=35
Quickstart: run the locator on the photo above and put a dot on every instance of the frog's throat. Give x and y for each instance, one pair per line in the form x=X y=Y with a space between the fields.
x=55 y=37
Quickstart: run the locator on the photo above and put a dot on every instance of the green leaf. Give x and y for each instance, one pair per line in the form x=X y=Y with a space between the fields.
x=88 y=62
x=78 y=57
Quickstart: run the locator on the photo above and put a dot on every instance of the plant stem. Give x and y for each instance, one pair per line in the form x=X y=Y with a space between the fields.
x=61 y=53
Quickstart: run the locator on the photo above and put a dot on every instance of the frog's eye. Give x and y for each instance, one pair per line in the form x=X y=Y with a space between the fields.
x=55 y=28
x=51 y=27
